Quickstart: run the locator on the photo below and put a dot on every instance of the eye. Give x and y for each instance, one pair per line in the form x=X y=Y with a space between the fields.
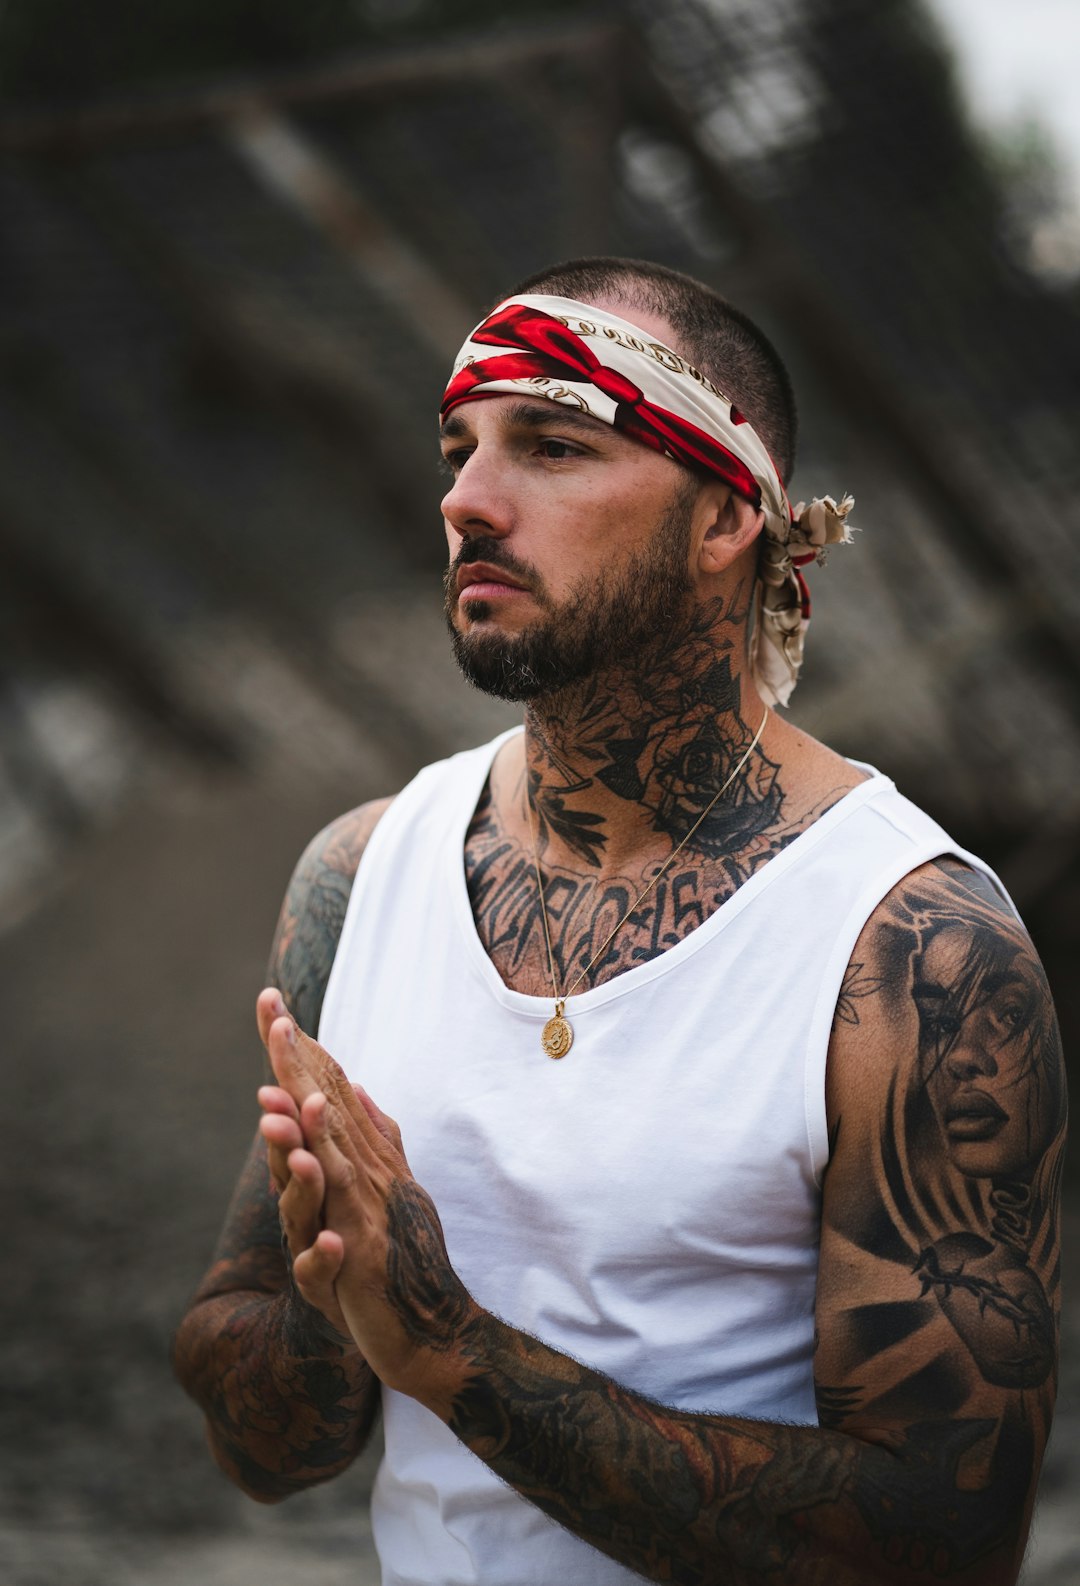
x=557 y=450
x=452 y=462
x=1012 y=1015
x=938 y=1021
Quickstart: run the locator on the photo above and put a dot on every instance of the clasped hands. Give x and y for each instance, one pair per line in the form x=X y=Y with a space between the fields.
x=365 y=1239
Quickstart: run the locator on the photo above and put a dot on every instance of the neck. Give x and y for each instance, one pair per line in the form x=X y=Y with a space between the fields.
x=621 y=765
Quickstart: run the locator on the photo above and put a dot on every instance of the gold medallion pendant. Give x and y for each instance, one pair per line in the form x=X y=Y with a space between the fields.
x=557 y=1037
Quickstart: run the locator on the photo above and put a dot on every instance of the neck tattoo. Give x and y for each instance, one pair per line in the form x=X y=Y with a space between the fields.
x=557 y=1036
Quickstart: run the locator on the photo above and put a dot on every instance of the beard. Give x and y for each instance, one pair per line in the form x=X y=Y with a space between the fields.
x=608 y=619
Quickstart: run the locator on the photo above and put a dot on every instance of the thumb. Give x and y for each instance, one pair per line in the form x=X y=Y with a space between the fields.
x=315 y=1271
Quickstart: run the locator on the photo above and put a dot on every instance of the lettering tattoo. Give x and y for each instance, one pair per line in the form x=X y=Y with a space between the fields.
x=583 y=909
x=288 y=1402
x=937 y=1310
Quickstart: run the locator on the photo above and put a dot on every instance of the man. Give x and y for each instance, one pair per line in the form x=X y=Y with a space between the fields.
x=726 y=1246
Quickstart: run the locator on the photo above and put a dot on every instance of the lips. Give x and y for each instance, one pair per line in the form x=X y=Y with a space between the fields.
x=974 y=1116
x=483 y=581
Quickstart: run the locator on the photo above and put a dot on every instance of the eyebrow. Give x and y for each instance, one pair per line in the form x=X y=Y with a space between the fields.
x=989 y=986
x=532 y=415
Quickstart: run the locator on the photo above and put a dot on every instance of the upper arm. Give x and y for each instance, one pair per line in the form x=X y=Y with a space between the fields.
x=938 y=1298
x=248 y=1253
x=313 y=911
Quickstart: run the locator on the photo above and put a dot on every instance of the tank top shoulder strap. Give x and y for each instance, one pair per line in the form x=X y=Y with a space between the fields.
x=927 y=838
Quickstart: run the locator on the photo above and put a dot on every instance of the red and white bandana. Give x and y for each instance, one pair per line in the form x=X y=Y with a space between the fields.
x=569 y=352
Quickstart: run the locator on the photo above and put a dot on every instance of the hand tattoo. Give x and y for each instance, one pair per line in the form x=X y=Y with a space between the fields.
x=422 y=1286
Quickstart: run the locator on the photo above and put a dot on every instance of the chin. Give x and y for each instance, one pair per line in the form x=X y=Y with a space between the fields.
x=989 y=1159
x=495 y=664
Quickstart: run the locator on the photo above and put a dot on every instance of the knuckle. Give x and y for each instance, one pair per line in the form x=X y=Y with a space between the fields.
x=341 y=1131
x=345 y=1176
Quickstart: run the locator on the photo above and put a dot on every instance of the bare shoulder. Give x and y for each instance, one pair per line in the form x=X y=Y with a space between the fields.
x=313 y=911
x=939 y=1282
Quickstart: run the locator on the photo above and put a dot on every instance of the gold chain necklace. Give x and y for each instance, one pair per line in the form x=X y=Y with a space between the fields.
x=557 y=1036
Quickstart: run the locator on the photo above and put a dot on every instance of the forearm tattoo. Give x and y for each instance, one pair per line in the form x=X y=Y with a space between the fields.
x=288 y=1401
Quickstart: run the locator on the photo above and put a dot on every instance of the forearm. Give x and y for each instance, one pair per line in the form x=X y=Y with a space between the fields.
x=697 y=1498
x=286 y=1405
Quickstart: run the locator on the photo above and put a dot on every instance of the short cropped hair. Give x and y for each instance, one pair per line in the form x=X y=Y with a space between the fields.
x=718 y=339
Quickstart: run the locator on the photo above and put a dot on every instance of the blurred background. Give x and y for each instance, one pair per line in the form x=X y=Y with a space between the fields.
x=240 y=241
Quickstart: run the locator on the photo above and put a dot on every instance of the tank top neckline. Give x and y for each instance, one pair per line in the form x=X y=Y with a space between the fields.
x=475 y=769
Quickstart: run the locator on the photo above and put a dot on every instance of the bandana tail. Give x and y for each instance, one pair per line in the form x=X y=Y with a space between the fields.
x=782 y=614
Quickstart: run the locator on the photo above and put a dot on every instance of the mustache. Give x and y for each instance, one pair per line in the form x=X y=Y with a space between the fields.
x=495 y=554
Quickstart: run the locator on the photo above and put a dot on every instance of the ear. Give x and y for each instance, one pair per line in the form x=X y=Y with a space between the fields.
x=731 y=525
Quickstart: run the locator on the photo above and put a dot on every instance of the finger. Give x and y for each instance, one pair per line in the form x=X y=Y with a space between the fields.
x=352 y=1103
x=305 y=1167
x=315 y=1272
x=282 y=1135
x=269 y=1005
x=343 y=1156
x=302 y=1067
x=322 y=1261
x=277 y=1162
x=281 y=1131
x=273 y=1099
x=300 y=1205
x=382 y=1120
x=331 y=1077
x=294 y=1068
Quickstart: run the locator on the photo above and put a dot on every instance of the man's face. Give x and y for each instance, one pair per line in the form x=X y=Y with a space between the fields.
x=570 y=544
x=569 y=553
x=982 y=1050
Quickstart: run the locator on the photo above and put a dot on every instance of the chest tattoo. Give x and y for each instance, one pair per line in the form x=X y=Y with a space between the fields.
x=583 y=908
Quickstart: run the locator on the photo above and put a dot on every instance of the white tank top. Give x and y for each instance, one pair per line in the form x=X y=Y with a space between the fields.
x=649 y=1204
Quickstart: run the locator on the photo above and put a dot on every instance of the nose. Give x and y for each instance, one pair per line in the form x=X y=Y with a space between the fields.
x=969 y=1055
x=477 y=503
